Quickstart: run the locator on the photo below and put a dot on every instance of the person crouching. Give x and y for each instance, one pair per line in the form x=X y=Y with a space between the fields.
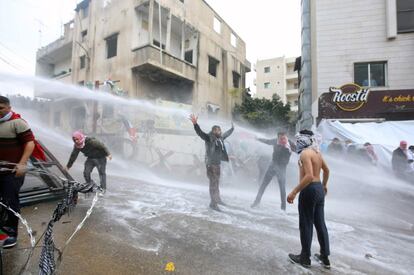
x=96 y=153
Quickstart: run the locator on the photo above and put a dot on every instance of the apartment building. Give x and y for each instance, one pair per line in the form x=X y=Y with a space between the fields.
x=277 y=76
x=368 y=43
x=178 y=51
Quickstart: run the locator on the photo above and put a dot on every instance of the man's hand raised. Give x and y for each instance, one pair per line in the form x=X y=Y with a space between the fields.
x=193 y=119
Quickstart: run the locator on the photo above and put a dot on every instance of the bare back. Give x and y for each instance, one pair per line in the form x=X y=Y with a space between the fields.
x=312 y=160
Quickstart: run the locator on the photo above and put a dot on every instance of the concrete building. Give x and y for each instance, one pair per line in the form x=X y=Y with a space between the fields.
x=369 y=43
x=173 y=50
x=277 y=76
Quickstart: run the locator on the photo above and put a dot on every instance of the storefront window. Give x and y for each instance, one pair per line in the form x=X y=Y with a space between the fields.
x=371 y=74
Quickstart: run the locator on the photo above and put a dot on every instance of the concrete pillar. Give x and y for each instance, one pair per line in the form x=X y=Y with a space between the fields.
x=151 y=21
x=306 y=119
x=168 y=37
x=391 y=11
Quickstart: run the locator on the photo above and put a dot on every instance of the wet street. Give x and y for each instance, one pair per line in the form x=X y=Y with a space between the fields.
x=139 y=227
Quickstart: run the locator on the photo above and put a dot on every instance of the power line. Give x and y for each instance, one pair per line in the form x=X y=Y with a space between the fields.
x=12 y=51
x=5 y=61
x=14 y=65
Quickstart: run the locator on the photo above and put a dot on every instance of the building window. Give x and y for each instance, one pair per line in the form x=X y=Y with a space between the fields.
x=236 y=80
x=188 y=56
x=295 y=103
x=295 y=85
x=111 y=46
x=233 y=40
x=267 y=85
x=156 y=43
x=83 y=35
x=267 y=70
x=212 y=66
x=82 y=61
x=217 y=25
x=405 y=16
x=371 y=74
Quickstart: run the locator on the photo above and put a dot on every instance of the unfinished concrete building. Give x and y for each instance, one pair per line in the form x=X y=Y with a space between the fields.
x=173 y=50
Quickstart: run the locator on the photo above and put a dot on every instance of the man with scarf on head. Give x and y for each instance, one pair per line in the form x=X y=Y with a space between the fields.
x=95 y=152
x=215 y=153
x=280 y=160
x=17 y=145
x=311 y=200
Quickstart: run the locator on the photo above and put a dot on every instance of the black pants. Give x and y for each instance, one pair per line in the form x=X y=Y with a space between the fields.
x=311 y=212
x=9 y=193
x=213 y=174
x=100 y=164
x=280 y=173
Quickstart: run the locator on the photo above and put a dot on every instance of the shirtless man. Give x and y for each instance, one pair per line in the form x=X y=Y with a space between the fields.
x=311 y=200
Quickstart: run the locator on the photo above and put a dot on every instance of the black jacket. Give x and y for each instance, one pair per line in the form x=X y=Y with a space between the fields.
x=399 y=161
x=215 y=148
x=281 y=154
x=93 y=149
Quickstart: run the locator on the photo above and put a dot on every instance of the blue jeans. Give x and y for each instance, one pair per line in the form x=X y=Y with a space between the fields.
x=9 y=194
x=311 y=212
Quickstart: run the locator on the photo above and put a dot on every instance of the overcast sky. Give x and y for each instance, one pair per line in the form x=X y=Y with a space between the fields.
x=270 y=28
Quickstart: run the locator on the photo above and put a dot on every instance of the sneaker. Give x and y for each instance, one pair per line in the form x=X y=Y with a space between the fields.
x=215 y=207
x=298 y=259
x=323 y=260
x=10 y=242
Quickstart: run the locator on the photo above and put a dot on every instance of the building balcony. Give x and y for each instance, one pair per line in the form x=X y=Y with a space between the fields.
x=292 y=76
x=147 y=61
x=292 y=92
x=59 y=49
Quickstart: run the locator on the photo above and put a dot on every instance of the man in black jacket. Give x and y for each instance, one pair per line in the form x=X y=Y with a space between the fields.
x=280 y=160
x=96 y=153
x=215 y=154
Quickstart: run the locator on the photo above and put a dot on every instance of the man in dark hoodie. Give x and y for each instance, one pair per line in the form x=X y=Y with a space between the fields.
x=215 y=154
x=280 y=160
x=96 y=153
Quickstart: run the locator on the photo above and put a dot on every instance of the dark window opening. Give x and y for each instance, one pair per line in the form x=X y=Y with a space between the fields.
x=236 y=80
x=212 y=66
x=267 y=70
x=83 y=35
x=405 y=16
x=111 y=46
x=371 y=74
x=188 y=56
x=82 y=61
x=156 y=43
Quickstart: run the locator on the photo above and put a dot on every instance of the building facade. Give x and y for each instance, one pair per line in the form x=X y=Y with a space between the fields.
x=173 y=50
x=369 y=43
x=277 y=76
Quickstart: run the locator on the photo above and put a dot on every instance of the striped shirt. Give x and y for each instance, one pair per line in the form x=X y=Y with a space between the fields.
x=14 y=134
